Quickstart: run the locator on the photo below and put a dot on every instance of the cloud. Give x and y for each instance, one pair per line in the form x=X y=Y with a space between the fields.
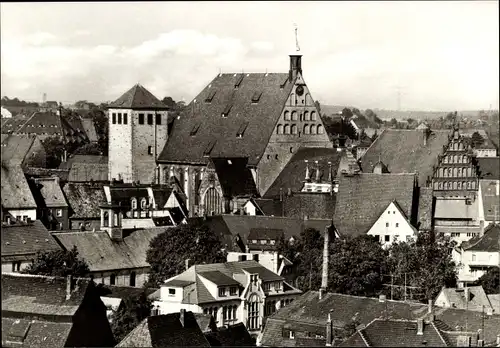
x=82 y=32
x=40 y=38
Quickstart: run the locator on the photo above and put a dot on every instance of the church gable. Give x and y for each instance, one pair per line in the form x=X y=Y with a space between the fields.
x=393 y=226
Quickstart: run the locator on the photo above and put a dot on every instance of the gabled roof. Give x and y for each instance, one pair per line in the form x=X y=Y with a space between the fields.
x=202 y=125
x=34 y=333
x=138 y=97
x=123 y=194
x=268 y=207
x=15 y=147
x=403 y=151
x=293 y=175
x=311 y=205
x=395 y=333
x=16 y=193
x=84 y=199
x=425 y=208
x=265 y=233
x=166 y=331
x=62 y=174
x=363 y=197
x=44 y=123
x=89 y=129
x=12 y=125
x=489 y=168
x=102 y=253
x=476 y=301
x=231 y=336
x=23 y=240
x=488 y=242
x=41 y=295
x=234 y=177
x=51 y=192
x=218 y=278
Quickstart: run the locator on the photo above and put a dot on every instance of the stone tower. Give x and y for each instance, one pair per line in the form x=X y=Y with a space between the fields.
x=137 y=134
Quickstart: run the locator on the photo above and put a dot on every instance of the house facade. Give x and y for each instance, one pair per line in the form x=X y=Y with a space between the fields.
x=52 y=205
x=233 y=292
x=17 y=199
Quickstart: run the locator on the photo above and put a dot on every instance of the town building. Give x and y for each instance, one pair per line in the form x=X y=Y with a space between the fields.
x=17 y=199
x=471 y=298
x=264 y=117
x=20 y=243
x=232 y=292
x=489 y=202
x=52 y=205
x=478 y=255
x=84 y=200
x=85 y=168
x=112 y=296
x=113 y=259
x=23 y=150
x=138 y=131
x=41 y=311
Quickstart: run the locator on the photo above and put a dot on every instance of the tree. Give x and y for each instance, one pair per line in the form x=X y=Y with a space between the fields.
x=490 y=281
x=347 y=113
x=130 y=313
x=168 y=251
x=58 y=263
x=476 y=139
x=93 y=149
x=318 y=106
x=54 y=148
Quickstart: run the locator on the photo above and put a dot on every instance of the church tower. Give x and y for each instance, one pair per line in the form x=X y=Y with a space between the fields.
x=137 y=134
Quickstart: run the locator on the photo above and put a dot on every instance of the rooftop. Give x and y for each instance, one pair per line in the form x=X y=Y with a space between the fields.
x=16 y=193
x=235 y=177
x=84 y=199
x=34 y=333
x=489 y=168
x=489 y=242
x=51 y=192
x=138 y=97
x=15 y=147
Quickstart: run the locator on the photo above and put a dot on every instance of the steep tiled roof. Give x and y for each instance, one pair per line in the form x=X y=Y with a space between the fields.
x=166 y=331
x=101 y=253
x=362 y=198
x=83 y=168
x=457 y=298
x=15 y=147
x=234 y=177
x=396 y=333
x=41 y=295
x=202 y=126
x=123 y=194
x=138 y=97
x=89 y=129
x=293 y=175
x=24 y=240
x=425 y=208
x=16 y=193
x=489 y=168
x=51 y=192
x=44 y=123
x=34 y=333
x=123 y=291
x=489 y=242
x=84 y=199
x=312 y=205
x=13 y=124
x=265 y=233
x=269 y=207
x=218 y=278
x=490 y=199
x=232 y=336
x=62 y=174
x=403 y=151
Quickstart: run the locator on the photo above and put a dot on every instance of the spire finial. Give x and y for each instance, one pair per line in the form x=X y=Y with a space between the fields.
x=296 y=37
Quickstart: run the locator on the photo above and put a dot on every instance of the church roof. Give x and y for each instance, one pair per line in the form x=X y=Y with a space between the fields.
x=138 y=97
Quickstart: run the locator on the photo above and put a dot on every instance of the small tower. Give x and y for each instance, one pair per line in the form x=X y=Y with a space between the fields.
x=138 y=132
x=111 y=220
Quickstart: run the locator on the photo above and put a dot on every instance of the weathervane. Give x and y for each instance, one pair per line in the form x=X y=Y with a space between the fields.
x=296 y=38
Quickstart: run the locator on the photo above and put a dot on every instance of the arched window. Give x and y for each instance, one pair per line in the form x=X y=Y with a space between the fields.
x=253 y=312
x=436 y=186
x=294 y=129
x=313 y=129
x=308 y=99
x=440 y=185
x=212 y=202
x=306 y=116
x=306 y=129
x=292 y=99
x=455 y=159
x=464 y=185
x=319 y=129
x=143 y=203
x=313 y=115
x=134 y=203
x=455 y=185
x=294 y=116
x=473 y=185
x=459 y=185
x=464 y=159
x=287 y=115
x=468 y=185
x=449 y=172
x=459 y=172
x=280 y=129
x=106 y=219
x=287 y=129
x=132 y=278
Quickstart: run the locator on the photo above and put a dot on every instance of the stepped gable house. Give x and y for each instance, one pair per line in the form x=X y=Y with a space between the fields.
x=137 y=134
x=263 y=117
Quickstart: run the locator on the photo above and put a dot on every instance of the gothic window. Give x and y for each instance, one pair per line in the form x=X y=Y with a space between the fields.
x=313 y=128
x=294 y=129
x=280 y=129
x=459 y=185
x=287 y=115
x=455 y=159
x=253 y=312
x=143 y=203
x=306 y=129
x=440 y=186
x=319 y=129
x=294 y=116
x=212 y=202
x=306 y=116
x=454 y=185
x=287 y=129
x=459 y=172
x=134 y=203
x=313 y=115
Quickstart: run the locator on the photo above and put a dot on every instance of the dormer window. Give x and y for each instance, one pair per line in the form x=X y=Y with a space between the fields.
x=222 y=292
x=233 y=291
x=210 y=97
x=256 y=97
x=226 y=111
x=134 y=203
x=241 y=130
x=143 y=203
x=194 y=130
x=238 y=81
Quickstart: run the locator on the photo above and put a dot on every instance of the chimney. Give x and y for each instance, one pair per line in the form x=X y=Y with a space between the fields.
x=430 y=311
x=324 y=276
x=69 y=287
x=318 y=174
x=295 y=66
x=498 y=340
x=182 y=315
x=480 y=343
x=420 y=327
x=308 y=175
x=187 y=262
x=329 y=331
x=321 y=293
x=330 y=174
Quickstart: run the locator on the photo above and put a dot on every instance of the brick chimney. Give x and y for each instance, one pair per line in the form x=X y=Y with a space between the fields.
x=329 y=330
x=420 y=327
x=430 y=311
x=324 y=276
x=187 y=263
x=182 y=316
x=69 y=286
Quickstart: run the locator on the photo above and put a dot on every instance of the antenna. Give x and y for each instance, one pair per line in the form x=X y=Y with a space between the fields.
x=296 y=37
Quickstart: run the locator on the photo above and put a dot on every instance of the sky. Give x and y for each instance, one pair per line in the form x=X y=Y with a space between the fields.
x=437 y=56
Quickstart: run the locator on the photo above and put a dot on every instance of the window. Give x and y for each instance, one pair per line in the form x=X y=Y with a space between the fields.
x=119 y=118
x=210 y=96
x=286 y=129
x=132 y=279
x=313 y=116
x=112 y=279
x=280 y=129
x=287 y=116
x=313 y=129
x=134 y=203
x=396 y=237
x=277 y=286
x=143 y=203
x=58 y=213
x=387 y=238
x=256 y=97
x=171 y=292
x=241 y=130
x=25 y=217
x=16 y=266
x=292 y=335
x=150 y=118
x=320 y=129
x=150 y=150
x=397 y=224
x=273 y=241
x=141 y=118
x=158 y=118
x=233 y=291
x=306 y=116
x=253 y=312
x=114 y=118
x=388 y=212
x=106 y=219
x=266 y=286
x=294 y=129
x=473 y=257
x=254 y=241
x=394 y=212
x=222 y=292
x=306 y=129
x=408 y=238
x=226 y=111
x=263 y=241
x=125 y=120
x=294 y=116
x=386 y=224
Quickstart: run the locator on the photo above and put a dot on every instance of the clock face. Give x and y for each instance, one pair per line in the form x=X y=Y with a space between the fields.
x=299 y=90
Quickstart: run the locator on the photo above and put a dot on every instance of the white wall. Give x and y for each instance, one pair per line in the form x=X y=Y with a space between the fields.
x=31 y=213
x=122 y=277
x=250 y=209
x=468 y=258
x=7 y=266
x=441 y=301
x=399 y=228
x=481 y=153
x=269 y=260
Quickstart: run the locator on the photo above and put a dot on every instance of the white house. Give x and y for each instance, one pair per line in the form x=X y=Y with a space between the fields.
x=479 y=254
x=471 y=298
x=232 y=292
x=489 y=201
x=393 y=226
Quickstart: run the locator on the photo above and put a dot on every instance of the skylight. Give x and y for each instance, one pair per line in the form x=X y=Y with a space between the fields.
x=225 y=113
x=210 y=96
x=239 y=80
x=241 y=130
